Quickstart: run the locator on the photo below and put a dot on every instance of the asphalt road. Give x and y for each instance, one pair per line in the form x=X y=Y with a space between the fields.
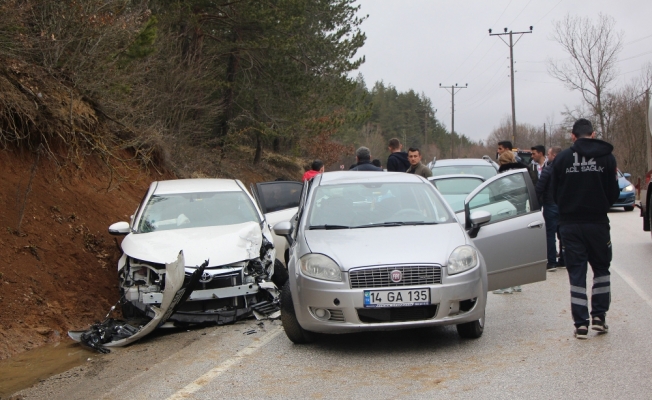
x=527 y=351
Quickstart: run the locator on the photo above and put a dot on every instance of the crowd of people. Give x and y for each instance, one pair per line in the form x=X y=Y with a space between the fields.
x=576 y=188
x=398 y=161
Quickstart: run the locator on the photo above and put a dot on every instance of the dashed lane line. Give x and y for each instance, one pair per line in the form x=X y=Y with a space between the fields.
x=209 y=376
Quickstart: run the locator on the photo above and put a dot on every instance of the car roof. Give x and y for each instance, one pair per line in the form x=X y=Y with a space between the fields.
x=197 y=186
x=343 y=177
x=455 y=176
x=461 y=161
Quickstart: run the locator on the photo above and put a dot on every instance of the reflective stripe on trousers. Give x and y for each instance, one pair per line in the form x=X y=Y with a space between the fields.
x=587 y=244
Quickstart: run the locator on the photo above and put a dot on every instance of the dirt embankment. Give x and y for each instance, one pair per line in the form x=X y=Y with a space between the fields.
x=83 y=171
x=58 y=261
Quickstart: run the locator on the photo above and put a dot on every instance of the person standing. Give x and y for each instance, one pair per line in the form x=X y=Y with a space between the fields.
x=585 y=185
x=316 y=168
x=397 y=160
x=539 y=160
x=550 y=209
x=416 y=166
x=363 y=161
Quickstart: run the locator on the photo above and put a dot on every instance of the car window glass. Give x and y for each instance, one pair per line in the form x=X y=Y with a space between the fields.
x=276 y=196
x=504 y=198
x=455 y=190
x=193 y=210
x=485 y=171
x=354 y=205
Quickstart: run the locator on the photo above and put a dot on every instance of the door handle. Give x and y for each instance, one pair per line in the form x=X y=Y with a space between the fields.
x=535 y=224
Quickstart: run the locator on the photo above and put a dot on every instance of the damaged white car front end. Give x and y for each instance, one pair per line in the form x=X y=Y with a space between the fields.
x=235 y=281
x=215 y=229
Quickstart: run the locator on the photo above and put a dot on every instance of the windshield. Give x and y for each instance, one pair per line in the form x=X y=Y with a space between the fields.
x=193 y=210
x=485 y=171
x=375 y=204
x=455 y=190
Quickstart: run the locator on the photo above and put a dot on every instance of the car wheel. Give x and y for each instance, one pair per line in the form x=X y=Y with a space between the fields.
x=471 y=330
x=629 y=208
x=291 y=326
x=280 y=275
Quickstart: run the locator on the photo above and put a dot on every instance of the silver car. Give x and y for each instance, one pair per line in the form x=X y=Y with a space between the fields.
x=381 y=251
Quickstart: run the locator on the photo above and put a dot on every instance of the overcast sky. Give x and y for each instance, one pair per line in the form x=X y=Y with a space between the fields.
x=418 y=44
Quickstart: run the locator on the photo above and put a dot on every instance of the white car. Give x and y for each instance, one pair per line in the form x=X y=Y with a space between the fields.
x=213 y=221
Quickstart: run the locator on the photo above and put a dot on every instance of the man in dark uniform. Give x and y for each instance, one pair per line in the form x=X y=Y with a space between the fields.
x=584 y=187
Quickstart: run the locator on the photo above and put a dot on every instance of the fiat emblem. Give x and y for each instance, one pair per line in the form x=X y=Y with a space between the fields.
x=396 y=276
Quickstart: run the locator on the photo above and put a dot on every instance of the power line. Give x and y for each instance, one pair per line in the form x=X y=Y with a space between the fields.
x=519 y=14
x=637 y=40
x=546 y=14
x=511 y=63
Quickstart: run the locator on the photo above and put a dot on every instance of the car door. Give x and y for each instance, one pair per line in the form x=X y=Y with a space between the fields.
x=278 y=201
x=513 y=242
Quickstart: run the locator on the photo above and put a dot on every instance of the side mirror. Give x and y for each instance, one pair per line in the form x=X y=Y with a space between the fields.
x=119 y=228
x=627 y=175
x=284 y=229
x=478 y=218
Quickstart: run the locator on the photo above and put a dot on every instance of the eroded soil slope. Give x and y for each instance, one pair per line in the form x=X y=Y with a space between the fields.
x=58 y=267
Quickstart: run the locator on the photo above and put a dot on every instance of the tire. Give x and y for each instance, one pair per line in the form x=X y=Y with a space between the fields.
x=291 y=326
x=280 y=275
x=629 y=208
x=471 y=330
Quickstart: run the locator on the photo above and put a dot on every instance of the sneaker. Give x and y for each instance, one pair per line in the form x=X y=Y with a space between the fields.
x=517 y=288
x=598 y=324
x=582 y=332
x=508 y=290
x=551 y=267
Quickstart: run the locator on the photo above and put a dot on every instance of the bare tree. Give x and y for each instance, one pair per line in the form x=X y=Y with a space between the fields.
x=593 y=48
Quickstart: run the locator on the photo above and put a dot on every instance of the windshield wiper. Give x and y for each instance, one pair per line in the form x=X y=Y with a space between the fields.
x=327 y=227
x=395 y=223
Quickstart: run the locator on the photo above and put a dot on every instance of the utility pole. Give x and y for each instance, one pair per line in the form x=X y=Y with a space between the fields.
x=511 y=63
x=544 y=133
x=648 y=132
x=452 y=92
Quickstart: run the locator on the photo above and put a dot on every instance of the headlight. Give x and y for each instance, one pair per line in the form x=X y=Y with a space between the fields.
x=321 y=267
x=628 y=188
x=462 y=259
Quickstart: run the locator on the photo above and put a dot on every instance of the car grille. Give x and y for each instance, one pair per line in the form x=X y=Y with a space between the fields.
x=398 y=314
x=376 y=277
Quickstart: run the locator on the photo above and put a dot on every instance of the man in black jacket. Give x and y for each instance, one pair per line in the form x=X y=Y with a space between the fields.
x=584 y=187
x=363 y=158
x=550 y=209
x=397 y=160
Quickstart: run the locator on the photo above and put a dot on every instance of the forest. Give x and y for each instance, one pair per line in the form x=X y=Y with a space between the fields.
x=179 y=81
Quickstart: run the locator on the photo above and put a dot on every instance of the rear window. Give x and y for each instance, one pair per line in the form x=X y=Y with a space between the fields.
x=485 y=171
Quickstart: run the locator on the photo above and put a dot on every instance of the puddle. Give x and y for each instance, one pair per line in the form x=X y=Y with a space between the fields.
x=27 y=368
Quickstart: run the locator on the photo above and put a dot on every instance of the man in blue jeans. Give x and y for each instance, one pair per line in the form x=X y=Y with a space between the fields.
x=550 y=209
x=585 y=185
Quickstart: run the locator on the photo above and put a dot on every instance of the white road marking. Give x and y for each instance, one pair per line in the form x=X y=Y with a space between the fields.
x=209 y=376
x=630 y=281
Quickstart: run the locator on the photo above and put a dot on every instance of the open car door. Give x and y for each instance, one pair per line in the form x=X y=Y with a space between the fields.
x=513 y=242
x=278 y=201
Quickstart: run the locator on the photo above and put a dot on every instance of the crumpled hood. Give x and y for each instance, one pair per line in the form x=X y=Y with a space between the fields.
x=219 y=244
x=419 y=244
x=592 y=147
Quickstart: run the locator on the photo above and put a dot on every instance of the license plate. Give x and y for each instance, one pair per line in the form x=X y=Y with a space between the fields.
x=397 y=297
